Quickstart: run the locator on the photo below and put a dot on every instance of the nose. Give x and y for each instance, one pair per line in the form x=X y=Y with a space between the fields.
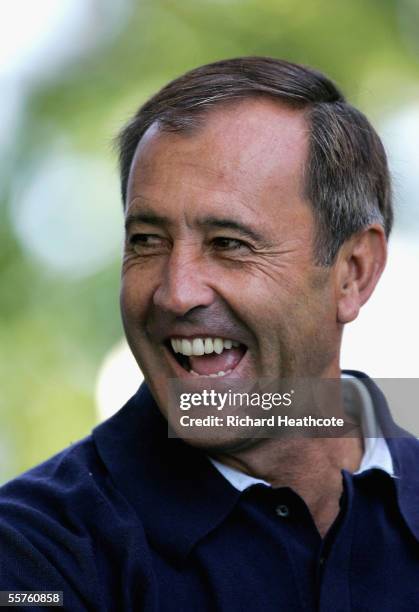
x=184 y=284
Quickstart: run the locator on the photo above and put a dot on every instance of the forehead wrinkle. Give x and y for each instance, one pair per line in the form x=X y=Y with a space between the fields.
x=221 y=193
x=205 y=176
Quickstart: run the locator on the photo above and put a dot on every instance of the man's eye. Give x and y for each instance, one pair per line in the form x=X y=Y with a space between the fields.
x=228 y=244
x=143 y=242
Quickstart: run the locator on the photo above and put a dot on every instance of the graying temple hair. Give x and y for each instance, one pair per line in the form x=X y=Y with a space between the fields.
x=346 y=179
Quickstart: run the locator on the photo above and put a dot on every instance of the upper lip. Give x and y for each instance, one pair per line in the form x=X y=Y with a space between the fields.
x=213 y=323
x=203 y=333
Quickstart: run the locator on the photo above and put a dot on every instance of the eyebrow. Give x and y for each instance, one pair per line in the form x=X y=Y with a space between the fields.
x=225 y=223
x=210 y=222
x=148 y=217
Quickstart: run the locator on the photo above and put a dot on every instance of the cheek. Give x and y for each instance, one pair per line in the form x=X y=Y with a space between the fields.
x=270 y=301
x=289 y=311
x=135 y=295
x=315 y=318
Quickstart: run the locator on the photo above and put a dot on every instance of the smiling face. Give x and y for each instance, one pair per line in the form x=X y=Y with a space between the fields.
x=218 y=261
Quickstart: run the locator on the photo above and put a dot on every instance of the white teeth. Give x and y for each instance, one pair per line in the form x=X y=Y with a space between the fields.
x=209 y=346
x=201 y=346
x=198 y=346
x=186 y=347
x=218 y=345
x=221 y=373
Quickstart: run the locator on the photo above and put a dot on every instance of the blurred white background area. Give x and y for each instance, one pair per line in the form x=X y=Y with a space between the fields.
x=383 y=340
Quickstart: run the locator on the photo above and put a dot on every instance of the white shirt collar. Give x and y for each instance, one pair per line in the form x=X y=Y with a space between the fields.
x=376 y=451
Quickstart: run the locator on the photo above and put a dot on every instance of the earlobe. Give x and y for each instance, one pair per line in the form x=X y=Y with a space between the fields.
x=360 y=264
x=348 y=299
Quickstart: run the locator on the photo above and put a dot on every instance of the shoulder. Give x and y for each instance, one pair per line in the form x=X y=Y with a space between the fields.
x=55 y=522
x=68 y=488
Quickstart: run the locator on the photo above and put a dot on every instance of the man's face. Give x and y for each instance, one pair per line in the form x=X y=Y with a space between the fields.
x=219 y=245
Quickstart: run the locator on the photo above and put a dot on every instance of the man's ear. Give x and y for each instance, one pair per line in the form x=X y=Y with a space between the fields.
x=360 y=263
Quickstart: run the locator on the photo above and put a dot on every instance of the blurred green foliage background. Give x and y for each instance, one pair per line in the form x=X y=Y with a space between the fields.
x=60 y=213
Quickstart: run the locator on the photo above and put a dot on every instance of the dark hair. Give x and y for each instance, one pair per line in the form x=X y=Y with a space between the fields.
x=346 y=179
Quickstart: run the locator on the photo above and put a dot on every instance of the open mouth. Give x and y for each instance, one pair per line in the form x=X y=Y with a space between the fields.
x=207 y=356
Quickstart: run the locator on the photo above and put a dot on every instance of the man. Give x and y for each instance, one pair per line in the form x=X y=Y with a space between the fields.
x=257 y=209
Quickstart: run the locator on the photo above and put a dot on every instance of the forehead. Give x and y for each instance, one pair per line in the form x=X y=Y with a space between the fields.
x=249 y=151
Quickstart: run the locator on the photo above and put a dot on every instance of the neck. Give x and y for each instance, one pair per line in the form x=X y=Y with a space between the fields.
x=290 y=463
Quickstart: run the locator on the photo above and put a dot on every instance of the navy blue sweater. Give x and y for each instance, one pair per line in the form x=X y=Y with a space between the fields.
x=128 y=519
